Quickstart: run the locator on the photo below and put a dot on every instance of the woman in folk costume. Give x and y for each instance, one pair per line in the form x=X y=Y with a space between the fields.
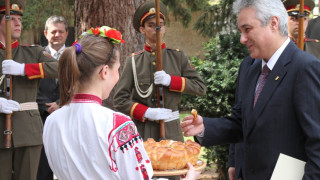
x=83 y=139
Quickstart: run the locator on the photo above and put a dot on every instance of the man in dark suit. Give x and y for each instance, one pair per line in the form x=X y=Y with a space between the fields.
x=235 y=159
x=56 y=32
x=279 y=107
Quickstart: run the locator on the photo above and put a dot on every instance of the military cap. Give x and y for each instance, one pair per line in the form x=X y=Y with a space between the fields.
x=293 y=7
x=16 y=7
x=146 y=11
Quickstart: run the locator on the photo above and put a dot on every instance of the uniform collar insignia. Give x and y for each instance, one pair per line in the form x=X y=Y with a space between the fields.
x=14 y=44
x=148 y=48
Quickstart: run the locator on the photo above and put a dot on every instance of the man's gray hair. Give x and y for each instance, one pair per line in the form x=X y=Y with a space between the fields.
x=54 y=20
x=265 y=9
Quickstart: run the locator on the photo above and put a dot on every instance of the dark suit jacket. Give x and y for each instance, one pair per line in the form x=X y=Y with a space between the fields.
x=285 y=119
x=48 y=92
x=235 y=158
x=313 y=34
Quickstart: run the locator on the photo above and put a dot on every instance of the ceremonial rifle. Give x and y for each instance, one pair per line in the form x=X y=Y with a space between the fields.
x=160 y=97
x=8 y=128
x=301 y=32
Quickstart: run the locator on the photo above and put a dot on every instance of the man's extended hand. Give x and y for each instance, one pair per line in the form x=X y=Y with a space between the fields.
x=161 y=77
x=192 y=127
x=10 y=67
x=7 y=106
x=52 y=107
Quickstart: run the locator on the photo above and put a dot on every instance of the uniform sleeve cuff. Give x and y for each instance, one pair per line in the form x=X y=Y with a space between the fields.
x=34 y=71
x=178 y=84
x=137 y=111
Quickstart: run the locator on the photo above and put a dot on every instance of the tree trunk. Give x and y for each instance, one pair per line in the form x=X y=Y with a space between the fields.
x=114 y=13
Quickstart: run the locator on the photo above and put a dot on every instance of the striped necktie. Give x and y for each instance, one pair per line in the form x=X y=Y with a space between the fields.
x=262 y=80
x=57 y=55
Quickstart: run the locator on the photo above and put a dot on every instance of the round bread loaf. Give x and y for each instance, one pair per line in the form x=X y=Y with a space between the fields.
x=169 y=154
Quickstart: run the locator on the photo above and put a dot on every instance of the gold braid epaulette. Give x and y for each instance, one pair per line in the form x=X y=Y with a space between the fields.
x=31 y=45
x=136 y=53
x=313 y=40
x=178 y=50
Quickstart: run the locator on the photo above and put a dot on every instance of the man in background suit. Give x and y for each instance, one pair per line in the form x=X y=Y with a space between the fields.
x=56 y=32
x=312 y=44
x=278 y=111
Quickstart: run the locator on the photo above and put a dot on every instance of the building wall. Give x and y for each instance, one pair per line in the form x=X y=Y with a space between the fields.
x=186 y=39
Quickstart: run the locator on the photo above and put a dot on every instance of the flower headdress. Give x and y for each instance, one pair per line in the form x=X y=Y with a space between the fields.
x=108 y=32
x=104 y=31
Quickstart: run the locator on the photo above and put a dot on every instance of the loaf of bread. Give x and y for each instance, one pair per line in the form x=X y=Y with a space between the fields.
x=169 y=154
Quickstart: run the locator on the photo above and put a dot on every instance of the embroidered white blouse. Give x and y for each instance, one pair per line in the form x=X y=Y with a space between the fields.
x=84 y=140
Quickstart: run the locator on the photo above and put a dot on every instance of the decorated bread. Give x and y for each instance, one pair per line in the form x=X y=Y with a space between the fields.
x=169 y=154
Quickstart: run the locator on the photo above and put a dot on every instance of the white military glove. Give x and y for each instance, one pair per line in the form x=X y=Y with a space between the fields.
x=153 y=114
x=161 y=77
x=7 y=106
x=10 y=67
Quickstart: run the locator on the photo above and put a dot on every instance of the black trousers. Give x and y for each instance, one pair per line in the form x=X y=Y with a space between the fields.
x=44 y=170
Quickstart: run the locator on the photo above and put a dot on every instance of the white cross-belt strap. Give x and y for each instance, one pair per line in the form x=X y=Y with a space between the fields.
x=143 y=94
x=1 y=78
x=174 y=116
x=28 y=106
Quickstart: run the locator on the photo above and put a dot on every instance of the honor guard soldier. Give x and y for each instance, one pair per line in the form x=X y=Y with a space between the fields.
x=28 y=65
x=136 y=93
x=293 y=7
x=312 y=44
x=136 y=90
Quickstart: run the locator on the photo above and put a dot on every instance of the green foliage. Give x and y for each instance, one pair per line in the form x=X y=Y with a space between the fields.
x=216 y=17
x=37 y=12
x=181 y=9
x=181 y=13
x=219 y=71
x=218 y=156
